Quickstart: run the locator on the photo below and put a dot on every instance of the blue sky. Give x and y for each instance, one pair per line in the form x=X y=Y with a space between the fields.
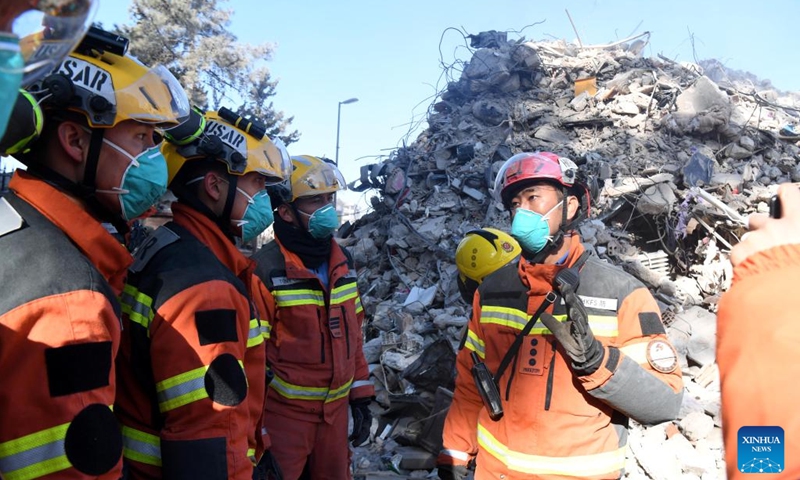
x=387 y=53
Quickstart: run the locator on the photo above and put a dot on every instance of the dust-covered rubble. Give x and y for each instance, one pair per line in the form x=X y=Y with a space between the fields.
x=679 y=155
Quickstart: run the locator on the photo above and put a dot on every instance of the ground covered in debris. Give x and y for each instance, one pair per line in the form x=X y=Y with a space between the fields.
x=680 y=153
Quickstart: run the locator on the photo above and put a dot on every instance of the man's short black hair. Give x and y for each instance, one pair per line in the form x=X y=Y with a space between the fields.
x=193 y=169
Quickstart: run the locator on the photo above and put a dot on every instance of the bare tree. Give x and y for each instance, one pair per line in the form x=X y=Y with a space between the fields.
x=192 y=39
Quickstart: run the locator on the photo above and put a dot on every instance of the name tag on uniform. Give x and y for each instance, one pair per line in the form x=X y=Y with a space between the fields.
x=598 y=303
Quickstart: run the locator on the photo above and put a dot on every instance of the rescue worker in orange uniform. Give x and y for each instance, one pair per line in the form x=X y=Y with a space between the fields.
x=94 y=167
x=560 y=378
x=192 y=360
x=479 y=253
x=315 y=346
x=756 y=371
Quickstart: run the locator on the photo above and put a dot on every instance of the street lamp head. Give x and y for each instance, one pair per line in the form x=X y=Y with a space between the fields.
x=349 y=100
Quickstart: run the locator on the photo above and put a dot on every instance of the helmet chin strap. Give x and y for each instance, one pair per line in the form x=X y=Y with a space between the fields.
x=85 y=189
x=223 y=220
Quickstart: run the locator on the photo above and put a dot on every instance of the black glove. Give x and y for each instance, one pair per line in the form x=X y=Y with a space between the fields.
x=585 y=352
x=452 y=472
x=267 y=468
x=362 y=421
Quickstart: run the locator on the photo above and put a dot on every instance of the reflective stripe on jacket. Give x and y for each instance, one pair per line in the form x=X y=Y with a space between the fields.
x=315 y=345
x=192 y=357
x=60 y=273
x=555 y=423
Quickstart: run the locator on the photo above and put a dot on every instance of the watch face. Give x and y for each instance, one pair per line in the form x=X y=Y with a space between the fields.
x=662 y=356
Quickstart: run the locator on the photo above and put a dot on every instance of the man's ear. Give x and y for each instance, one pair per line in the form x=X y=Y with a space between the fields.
x=573 y=204
x=213 y=186
x=286 y=213
x=74 y=140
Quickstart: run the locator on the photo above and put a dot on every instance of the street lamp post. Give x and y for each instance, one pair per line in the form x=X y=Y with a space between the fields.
x=339 y=122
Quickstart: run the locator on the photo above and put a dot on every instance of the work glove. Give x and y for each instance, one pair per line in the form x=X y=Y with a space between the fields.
x=452 y=472
x=362 y=421
x=585 y=352
x=267 y=468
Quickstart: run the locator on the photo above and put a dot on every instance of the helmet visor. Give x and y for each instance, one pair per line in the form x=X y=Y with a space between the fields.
x=48 y=32
x=266 y=158
x=156 y=97
x=321 y=178
x=284 y=166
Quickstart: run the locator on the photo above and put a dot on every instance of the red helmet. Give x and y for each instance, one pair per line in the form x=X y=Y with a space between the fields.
x=518 y=170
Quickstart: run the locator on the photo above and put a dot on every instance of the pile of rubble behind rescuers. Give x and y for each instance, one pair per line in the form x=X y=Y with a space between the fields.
x=403 y=342
x=676 y=155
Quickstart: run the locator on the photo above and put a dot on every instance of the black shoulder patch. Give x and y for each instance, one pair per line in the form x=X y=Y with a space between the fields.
x=225 y=381
x=651 y=323
x=192 y=459
x=78 y=368
x=93 y=442
x=216 y=326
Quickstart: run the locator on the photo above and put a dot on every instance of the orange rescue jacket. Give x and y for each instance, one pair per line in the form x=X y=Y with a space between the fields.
x=315 y=347
x=555 y=423
x=192 y=357
x=757 y=338
x=60 y=273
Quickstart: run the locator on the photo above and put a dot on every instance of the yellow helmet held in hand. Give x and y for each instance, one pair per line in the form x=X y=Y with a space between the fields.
x=240 y=144
x=480 y=253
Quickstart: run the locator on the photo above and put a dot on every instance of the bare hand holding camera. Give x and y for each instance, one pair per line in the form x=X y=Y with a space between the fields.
x=766 y=232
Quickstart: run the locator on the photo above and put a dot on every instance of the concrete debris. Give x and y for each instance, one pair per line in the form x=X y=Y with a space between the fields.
x=680 y=154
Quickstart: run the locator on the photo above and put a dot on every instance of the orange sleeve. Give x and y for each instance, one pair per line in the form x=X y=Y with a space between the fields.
x=460 y=441
x=757 y=338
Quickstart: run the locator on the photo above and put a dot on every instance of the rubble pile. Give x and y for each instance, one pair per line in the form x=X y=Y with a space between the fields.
x=679 y=154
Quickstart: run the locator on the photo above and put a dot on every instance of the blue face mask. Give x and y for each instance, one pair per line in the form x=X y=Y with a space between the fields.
x=143 y=183
x=11 y=68
x=531 y=229
x=323 y=222
x=257 y=216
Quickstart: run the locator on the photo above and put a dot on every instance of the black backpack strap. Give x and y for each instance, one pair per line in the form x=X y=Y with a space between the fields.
x=512 y=352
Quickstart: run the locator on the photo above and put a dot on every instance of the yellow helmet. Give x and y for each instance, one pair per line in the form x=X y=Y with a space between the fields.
x=103 y=83
x=314 y=176
x=480 y=253
x=226 y=137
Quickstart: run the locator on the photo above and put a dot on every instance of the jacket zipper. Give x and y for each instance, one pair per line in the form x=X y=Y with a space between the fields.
x=550 y=376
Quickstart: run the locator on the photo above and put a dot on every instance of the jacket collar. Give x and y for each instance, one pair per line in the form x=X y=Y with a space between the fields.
x=539 y=277
x=212 y=237
x=108 y=255
x=296 y=269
